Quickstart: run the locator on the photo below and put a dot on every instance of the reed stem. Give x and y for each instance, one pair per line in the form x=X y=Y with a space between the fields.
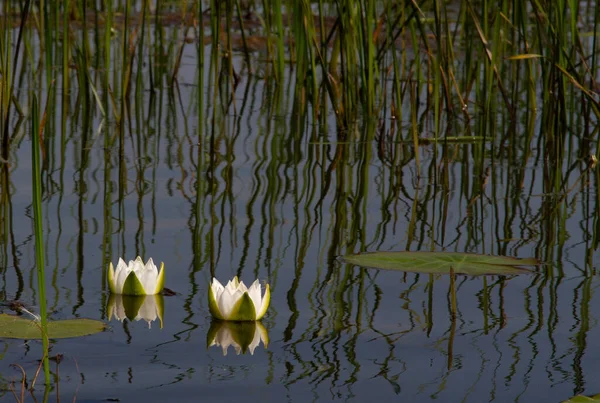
x=38 y=230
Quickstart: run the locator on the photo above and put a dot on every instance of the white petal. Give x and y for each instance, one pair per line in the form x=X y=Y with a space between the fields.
x=226 y=301
x=121 y=265
x=137 y=266
x=148 y=276
x=217 y=288
x=150 y=266
x=255 y=295
x=120 y=271
x=242 y=287
x=231 y=286
x=121 y=275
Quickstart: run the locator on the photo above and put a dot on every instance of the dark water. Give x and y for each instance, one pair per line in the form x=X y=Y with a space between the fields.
x=247 y=191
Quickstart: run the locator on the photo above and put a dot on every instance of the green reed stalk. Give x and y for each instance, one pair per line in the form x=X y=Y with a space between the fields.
x=200 y=183
x=5 y=41
x=306 y=81
x=200 y=51
x=229 y=58
x=47 y=45
x=437 y=67
x=241 y=22
x=154 y=57
x=369 y=69
x=280 y=58
x=65 y=61
x=595 y=51
x=124 y=76
x=107 y=39
x=85 y=43
x=139 y=86
x=324 y=35
x=38 y=231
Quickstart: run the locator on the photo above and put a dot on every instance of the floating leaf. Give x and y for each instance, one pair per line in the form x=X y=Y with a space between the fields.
x=584 y=399
x=16 y=327
x=441 y=262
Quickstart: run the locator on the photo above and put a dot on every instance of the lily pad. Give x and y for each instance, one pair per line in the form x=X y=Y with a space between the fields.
x=16 y=327
x=442 y=262
x=584 y=399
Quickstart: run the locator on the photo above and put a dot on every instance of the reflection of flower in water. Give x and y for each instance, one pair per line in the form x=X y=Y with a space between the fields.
x=146 y=307
x=243 y=336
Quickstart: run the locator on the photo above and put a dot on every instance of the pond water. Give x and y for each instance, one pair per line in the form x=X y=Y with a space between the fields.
x=246 y=190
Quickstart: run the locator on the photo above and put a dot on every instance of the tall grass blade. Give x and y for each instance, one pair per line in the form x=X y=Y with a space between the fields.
x=38 y=230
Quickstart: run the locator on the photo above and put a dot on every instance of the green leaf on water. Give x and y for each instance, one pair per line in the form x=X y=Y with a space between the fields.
x=584 y=399
x=16 y=327
x=442 y=262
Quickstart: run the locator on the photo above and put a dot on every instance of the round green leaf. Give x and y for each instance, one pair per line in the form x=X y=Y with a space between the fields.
x=16 y=327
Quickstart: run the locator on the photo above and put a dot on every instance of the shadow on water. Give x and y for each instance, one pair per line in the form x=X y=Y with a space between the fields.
x=225 y=155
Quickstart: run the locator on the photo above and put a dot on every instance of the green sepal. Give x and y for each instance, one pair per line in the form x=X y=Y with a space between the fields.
x=266 y=302
x=213 y=307
x=111 y=279
x=243 y=310
x=160 y=281
x=133 y=285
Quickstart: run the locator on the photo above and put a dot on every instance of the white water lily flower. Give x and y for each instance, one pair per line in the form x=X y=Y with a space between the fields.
x=237 y=302
x=243 y=336
x=136 y=278
x=134 y=308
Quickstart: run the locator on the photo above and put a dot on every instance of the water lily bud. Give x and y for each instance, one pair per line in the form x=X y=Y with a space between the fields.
x=136 y=278
x=237 y=302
